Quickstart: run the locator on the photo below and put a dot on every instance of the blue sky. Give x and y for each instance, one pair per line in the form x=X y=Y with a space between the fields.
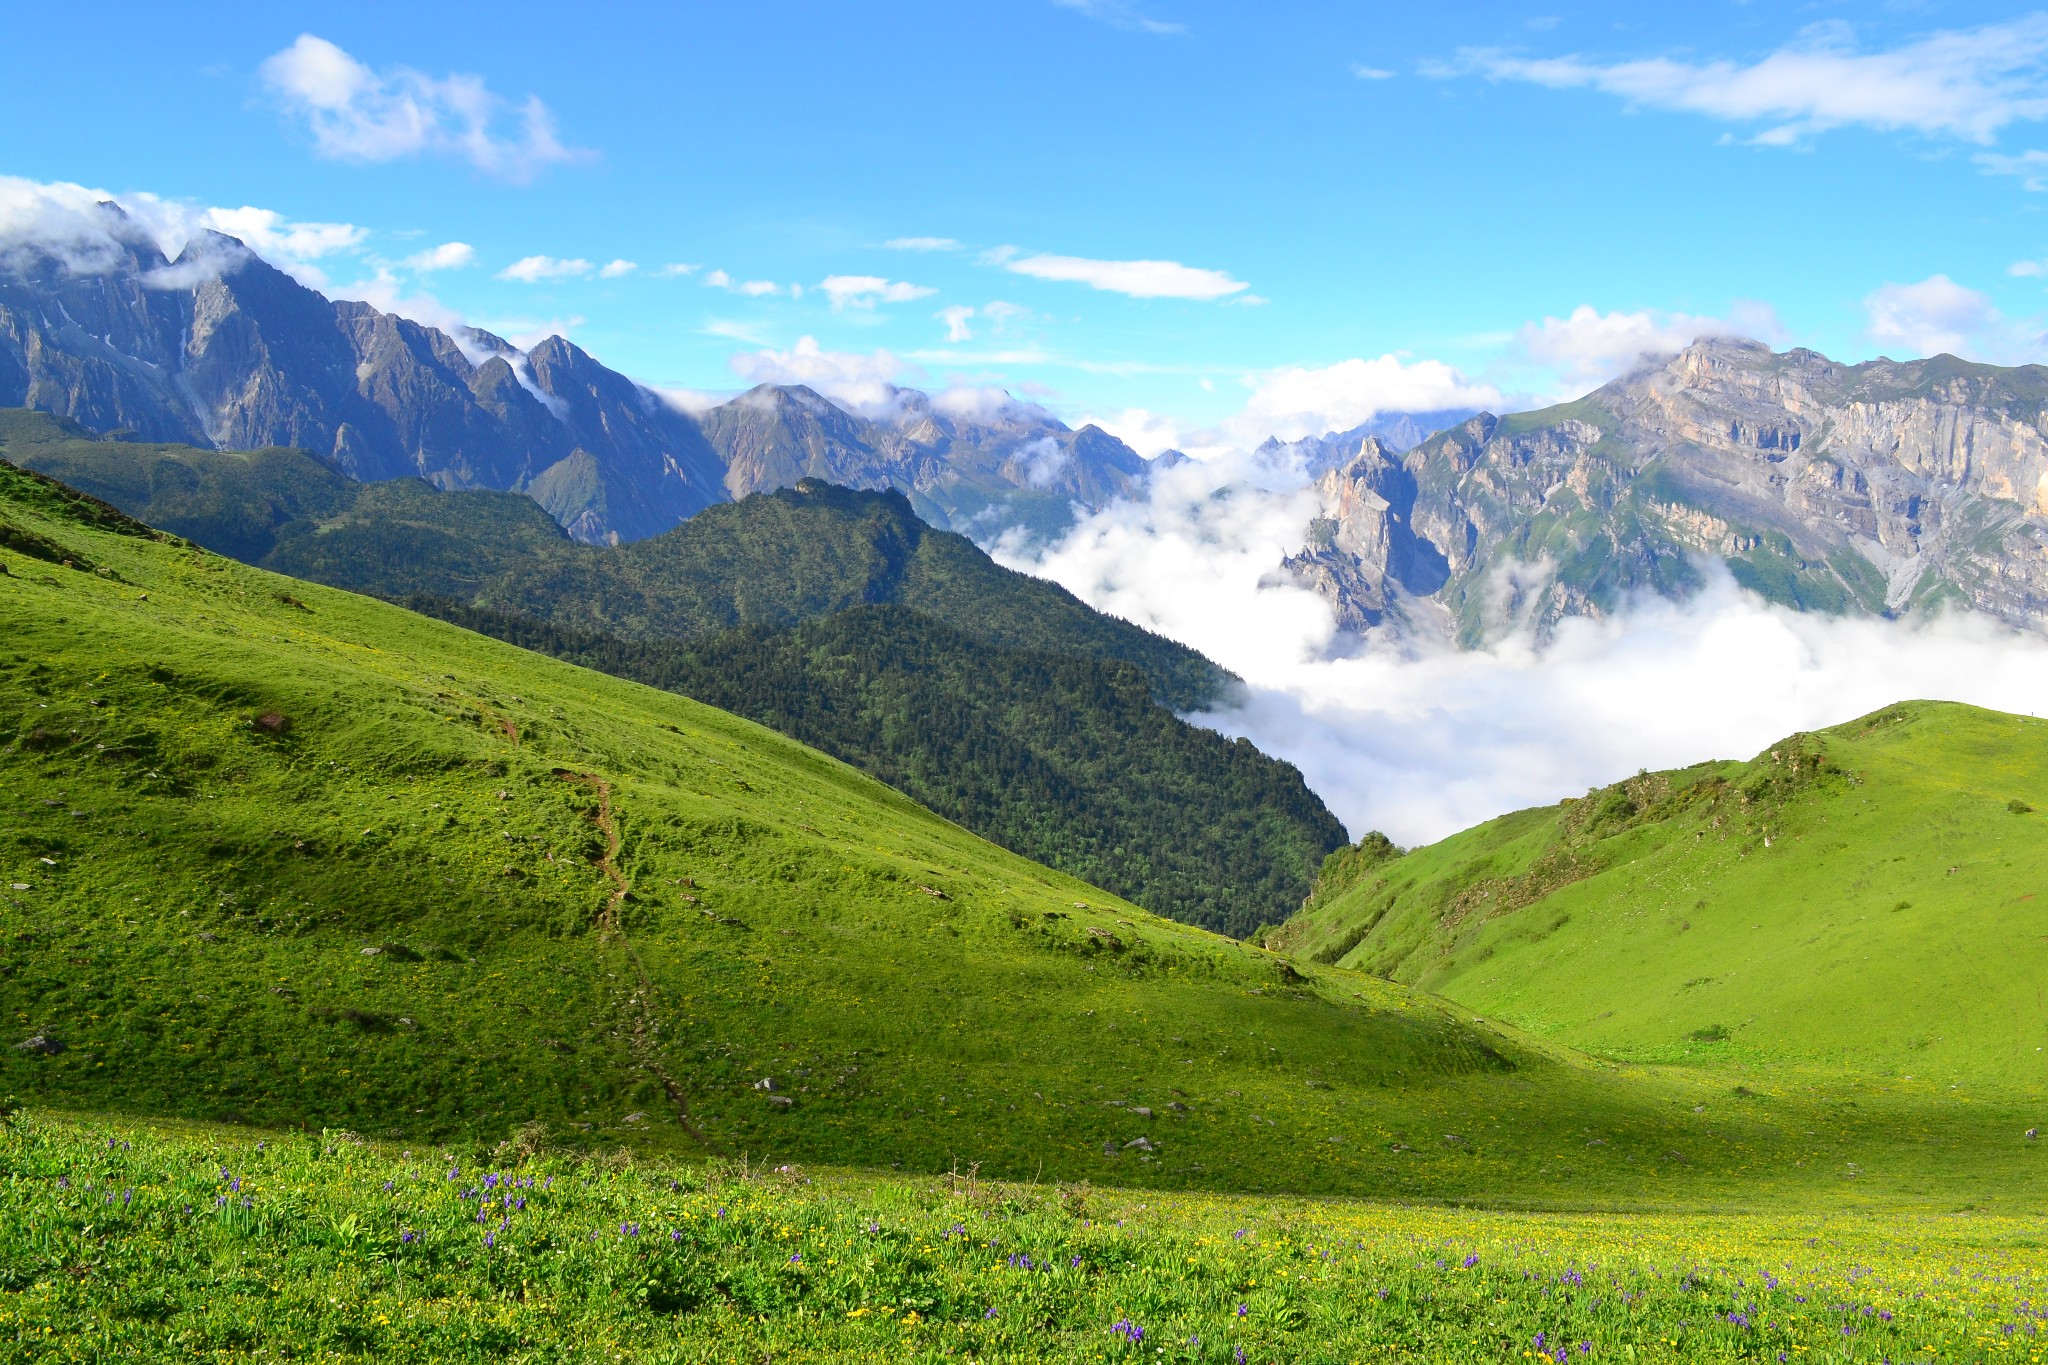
x=1345 y=207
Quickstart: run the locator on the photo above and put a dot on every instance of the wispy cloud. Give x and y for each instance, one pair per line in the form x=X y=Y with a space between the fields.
x=675 y=270
x=1588 y=347
x=357 y=114
x=447 y=256
x=1138 y=279
x=1959 y=83
x=865 y=291
x=1937 y=315
x=613 y=270
x=956 y=319
x=543 y=269
x=753 y=289
x=1120 y=14
x=922 y=244
x=1371 y=73
x=863 y=381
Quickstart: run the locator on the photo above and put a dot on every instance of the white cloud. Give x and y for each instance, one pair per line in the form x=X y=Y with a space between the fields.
x=865 y=291
x=383 y=292
x=540 y=269
x=1960 y=83
x=675 y=271
x=1119 y=14
x=1423 y=744
x=356 y=114
x=922 y=244
x=1297 y=400
x=2031 y=167
x=955 y=319
x=1938 y=315
x=616 y=269
x=272 y=236
x=1589 y=347
x=447 y=256
x=864 y=382
x=1139 y=279
x=753 y=289
x=1371 y=73
x=91 y=230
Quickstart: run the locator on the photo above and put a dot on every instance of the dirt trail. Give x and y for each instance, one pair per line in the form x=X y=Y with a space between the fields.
x=610 y=930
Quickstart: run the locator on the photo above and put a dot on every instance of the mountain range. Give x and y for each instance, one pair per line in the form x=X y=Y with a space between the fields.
x=220 y=349
x=1886 y=488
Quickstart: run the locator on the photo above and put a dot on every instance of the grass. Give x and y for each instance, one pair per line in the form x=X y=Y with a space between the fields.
x=1861 y=898
x=120 y=1241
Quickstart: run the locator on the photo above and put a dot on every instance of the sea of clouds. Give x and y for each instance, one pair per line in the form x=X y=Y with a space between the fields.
x=1423 y=741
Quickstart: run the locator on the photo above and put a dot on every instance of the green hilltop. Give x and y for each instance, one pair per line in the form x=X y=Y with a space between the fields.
x=1865 y=896
x=835 y=616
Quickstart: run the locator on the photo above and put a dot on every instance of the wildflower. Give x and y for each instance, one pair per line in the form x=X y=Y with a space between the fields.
x=63 y=1182
x=490 y=1239
x=1238 y=1235
x=629 y=1229
x=1074 y=1264
x=989 y=1314
x=408 y=1236
x=1538 y=1341
x=796 y=1258
x=1469 y=1261
x=1238 y=1357
x=1243 y=1310
x=1129 y=1331
x=676 y=1236
x=490 y=1180
x=387 y=1187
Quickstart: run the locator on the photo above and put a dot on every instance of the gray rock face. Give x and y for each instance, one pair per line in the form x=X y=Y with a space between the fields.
x=220 y=349
x=1885 y=488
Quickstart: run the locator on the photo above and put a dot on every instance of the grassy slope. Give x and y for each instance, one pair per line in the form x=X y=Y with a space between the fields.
x=1173 y=816
x=1860 y=897
x=196 y=937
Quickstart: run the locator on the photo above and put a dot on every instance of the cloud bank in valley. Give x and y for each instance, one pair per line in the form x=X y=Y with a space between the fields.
x=1422 y=744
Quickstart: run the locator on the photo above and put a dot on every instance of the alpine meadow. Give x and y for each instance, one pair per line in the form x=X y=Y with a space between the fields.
x=1102 y=682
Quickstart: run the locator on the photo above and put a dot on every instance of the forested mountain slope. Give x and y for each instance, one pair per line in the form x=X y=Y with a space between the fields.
x=1012 y=707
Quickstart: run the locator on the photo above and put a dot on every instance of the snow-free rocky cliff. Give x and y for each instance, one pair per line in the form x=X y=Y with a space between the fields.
x=220 y=349
x=1886 y=488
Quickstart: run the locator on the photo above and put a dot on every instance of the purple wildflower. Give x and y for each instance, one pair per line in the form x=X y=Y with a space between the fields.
x=490 y=1180
x=490 y=1239
x=1244 y=1310
x=676 y=1236
x=1538 y=1341
x=408 y=1236
x=1470 y=1261
x=1129 y=1331
x=796 y=1258
x=629 y=1229
x=1074 y=1264
x=1238 y=1358
x=990 y=1313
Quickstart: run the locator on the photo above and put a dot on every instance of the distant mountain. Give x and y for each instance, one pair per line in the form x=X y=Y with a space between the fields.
x=1884 y=488
x=219 y=349
x=835 y=616
x=1397 y=431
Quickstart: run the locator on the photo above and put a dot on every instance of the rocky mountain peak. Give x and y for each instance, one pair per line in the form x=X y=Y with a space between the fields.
x=1880 y=488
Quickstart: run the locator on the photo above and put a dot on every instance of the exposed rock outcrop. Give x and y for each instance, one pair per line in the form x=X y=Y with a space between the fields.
x=1882 y=488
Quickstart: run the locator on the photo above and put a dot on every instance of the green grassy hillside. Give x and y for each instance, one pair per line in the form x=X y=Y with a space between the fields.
x=1872 y=895
x=278 y=853
x=1000 y=701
